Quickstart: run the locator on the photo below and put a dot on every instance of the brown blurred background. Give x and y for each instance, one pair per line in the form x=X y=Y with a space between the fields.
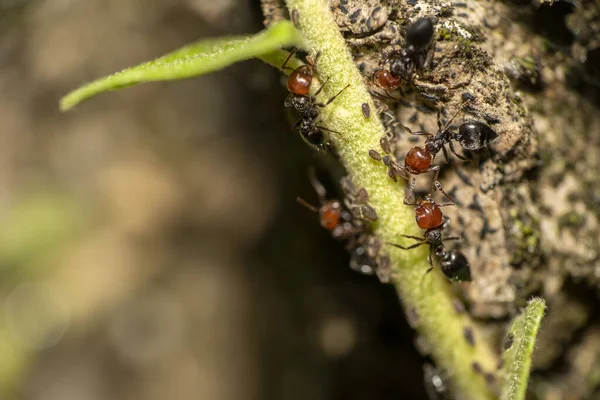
x=151 y=246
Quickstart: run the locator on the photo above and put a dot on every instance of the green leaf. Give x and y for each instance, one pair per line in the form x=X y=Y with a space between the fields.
x=518 y=349
x=190 y=61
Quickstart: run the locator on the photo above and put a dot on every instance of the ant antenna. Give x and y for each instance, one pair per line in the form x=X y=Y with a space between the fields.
x=460 y=108
x=318 y=186
x=294 y=50
x=307 y=204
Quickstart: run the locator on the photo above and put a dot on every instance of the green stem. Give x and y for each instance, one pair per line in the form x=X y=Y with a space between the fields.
x=519 y=350
x=430 y=296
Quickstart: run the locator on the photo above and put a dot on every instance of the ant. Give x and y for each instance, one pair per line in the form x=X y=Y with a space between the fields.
x=429 y=217
x=331 y=213
x=417 y=55
x=298 y=84
x=471 y=135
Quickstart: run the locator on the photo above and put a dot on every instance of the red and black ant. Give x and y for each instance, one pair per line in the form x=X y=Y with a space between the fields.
x=332 y=215
x=429 y=217
x=298 y=84
x=471 y=135
x=416 y=55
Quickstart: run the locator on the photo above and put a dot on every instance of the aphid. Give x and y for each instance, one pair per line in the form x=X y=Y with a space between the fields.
x=366 y=110
x=357 y=200
x=295 y=15
x=508 y=341
x=469 y=335
x=331 y=213
x=394 y=169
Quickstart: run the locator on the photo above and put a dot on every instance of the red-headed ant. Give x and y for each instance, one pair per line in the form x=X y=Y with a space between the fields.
x=429 y=217
x=471 y=135
x=415 y=56
x=332 y=215
x=306 y=105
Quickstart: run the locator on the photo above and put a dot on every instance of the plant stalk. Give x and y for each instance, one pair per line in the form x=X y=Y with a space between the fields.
x=428 y=297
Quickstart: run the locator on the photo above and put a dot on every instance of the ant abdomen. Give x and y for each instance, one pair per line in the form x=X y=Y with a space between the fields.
x=474 y=135
x=456 y=266
x=420 y=33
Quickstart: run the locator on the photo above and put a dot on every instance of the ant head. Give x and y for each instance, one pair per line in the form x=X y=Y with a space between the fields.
x=420 y=33
x=456 y=266
x=418 y=159
x=330 y=214
x=474 y=135
x=428 y=214
x=300 y=79
x=386 y=80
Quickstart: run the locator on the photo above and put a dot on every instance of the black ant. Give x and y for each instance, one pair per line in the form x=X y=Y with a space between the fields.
x=332 y=216
x=416 y=55
x=429 y=217
x=299 y=83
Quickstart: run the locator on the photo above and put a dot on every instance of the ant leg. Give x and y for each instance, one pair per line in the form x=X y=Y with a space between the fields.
x=455 y=153
x=411 y=193
x=445 y=221
x=327 y=129
x=439 y=119
x=453 y=238
x=321 y=87
x=318 y=186
x=423 y=240
x=413 y=246
x=288 y=59
x=307 y=204
x=288 y=100
x=445 y=154
x=430 y=258
x=436 y=171
x=313 y=61
x=388 y=56
x=429 y=57
x=333 y=98
x=438 y=186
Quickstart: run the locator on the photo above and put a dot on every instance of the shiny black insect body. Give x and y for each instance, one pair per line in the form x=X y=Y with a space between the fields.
x=417 y=54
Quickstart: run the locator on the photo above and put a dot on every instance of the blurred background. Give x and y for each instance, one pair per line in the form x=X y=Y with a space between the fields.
x=151 y=246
